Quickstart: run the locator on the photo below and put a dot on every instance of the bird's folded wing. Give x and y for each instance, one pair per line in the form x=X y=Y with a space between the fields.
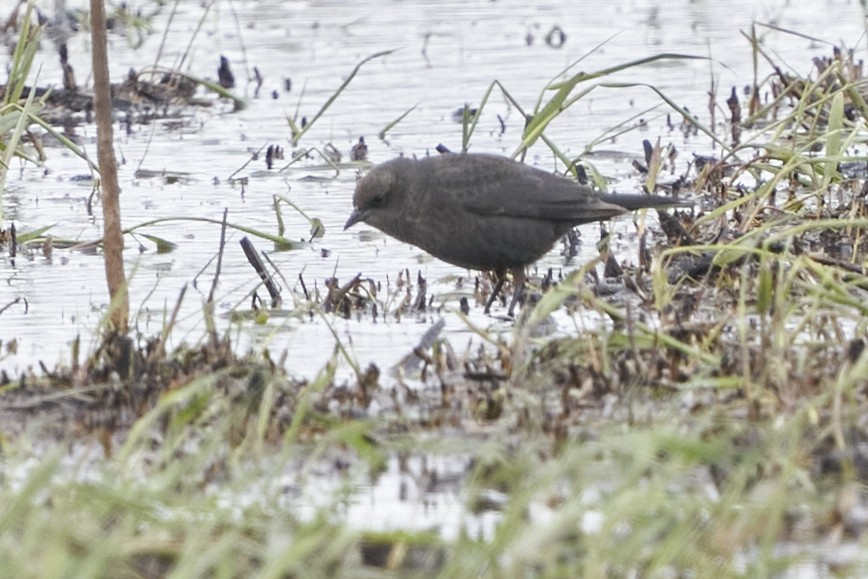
x=537 y=196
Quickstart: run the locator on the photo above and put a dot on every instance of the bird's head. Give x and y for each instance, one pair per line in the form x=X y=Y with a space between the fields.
x=380 y=195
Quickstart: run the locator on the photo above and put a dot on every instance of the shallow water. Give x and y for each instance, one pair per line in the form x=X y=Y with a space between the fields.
x=445 y=55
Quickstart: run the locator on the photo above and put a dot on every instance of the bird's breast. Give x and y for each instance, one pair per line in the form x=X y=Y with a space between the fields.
x=484 y=242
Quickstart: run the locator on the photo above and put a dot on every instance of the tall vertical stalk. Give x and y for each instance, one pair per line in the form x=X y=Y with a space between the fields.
x=112 y=237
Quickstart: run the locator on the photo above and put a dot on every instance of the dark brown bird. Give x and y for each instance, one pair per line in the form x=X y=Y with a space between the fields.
x=482 y=212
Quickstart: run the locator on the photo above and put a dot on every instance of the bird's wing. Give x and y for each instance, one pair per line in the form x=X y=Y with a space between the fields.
x=492 y=187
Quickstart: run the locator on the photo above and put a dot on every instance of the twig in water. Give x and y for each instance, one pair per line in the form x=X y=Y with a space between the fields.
x=257 y=264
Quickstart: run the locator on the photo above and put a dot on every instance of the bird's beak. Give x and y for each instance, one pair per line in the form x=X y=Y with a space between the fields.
x=357 y=215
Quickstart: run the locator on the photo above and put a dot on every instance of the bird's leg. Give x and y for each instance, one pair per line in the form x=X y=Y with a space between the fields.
x=518 y=278
x=501 y=276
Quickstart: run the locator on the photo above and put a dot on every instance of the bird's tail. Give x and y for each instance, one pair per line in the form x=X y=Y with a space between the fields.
x=632 y=202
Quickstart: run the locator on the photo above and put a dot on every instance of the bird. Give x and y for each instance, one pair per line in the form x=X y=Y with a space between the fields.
x=483 y=211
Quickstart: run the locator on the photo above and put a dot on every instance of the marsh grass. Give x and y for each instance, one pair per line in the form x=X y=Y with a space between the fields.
x=14 y=117
x=711 y=423
x=294 y=125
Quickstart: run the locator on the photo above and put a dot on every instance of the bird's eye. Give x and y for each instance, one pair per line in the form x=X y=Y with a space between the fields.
x=378 y=200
